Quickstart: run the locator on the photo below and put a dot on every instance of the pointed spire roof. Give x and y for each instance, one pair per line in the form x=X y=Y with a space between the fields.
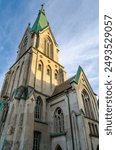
x=40 y=22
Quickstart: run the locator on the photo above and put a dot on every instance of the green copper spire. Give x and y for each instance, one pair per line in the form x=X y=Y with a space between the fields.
x=41 y=21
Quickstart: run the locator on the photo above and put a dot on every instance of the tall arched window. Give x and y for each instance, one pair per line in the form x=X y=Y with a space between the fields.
x=49 y=78
x=51 y=50
x=49 y=71
x=48 y=47
x=87 y=104
x=38 y=108
x=40 y=66
x=56 y=75
x=59 y=121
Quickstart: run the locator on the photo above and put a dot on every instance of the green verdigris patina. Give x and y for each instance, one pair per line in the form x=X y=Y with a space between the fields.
x=22 y=93
x=2 y=103
x=41 y=21
x=77 y=77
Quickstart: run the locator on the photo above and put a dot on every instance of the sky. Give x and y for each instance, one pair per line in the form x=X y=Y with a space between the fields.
x=75 y=26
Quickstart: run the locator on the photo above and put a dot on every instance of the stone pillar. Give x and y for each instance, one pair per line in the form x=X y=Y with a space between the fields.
x=28 y=126
x=75 y=132
x=82 y=132
x=32 y=69
x=19 y=126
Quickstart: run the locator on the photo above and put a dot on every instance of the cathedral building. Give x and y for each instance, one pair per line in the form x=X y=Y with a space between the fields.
x=40 y=109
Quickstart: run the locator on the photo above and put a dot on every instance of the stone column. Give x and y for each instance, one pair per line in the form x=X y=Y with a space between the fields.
x=19 y=126
x=75 y=132
x=28 y=126
x=82 y=132
x=32 y=69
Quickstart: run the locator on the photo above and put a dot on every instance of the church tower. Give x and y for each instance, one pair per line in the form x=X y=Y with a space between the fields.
x=28 y=83
x=37 y=63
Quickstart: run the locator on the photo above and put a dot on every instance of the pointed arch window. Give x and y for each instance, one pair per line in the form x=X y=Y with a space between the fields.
x=49 y=70
x=38 y=108
x=58 y=121
x=87 y=105
x=48 y=47
x=56 y=74
x=40 y=66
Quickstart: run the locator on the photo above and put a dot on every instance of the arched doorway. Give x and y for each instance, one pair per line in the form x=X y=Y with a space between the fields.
x=58 y=147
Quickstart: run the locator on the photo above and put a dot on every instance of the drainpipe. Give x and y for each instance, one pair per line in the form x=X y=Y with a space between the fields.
x=66 y=92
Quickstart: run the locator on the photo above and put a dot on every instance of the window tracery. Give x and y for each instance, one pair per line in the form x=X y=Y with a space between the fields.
x=87 y=104
x=38 y=108
x=59 y=121
x=48 y=47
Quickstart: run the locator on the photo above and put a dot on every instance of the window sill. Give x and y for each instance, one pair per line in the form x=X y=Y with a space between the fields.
x=57 y=134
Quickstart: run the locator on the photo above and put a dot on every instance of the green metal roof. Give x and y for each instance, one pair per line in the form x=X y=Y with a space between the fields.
x=77 y=77
x=41 y=21
x=78 y=74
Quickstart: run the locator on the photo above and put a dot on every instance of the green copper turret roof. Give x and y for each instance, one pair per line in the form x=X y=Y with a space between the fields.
x=41 y=21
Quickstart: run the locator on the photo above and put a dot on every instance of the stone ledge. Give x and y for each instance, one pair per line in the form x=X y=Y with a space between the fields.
x=57 y=134
x=39 y=121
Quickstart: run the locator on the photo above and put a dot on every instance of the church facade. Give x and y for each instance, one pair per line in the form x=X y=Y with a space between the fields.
x=40 y=109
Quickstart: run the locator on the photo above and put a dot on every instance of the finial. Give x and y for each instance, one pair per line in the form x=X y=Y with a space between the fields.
x=42 y=5
x=42 y=8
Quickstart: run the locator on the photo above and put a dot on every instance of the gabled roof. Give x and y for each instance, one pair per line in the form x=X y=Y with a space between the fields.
x=63 y=86
x=67 y=84
x=40 y=22
x=77 y=77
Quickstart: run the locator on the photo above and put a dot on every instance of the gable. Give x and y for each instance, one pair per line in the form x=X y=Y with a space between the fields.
x=81 y=79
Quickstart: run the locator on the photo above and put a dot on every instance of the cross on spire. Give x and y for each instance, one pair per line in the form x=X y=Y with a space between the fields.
x=42 y=5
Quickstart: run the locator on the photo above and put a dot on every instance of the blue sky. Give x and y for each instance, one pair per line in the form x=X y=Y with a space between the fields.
x=74 y=24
